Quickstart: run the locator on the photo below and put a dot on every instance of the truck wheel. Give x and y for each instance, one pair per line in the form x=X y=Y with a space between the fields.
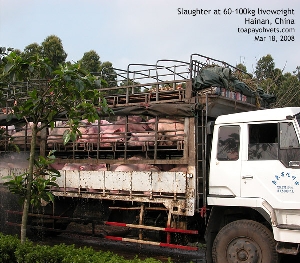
x=244 y=241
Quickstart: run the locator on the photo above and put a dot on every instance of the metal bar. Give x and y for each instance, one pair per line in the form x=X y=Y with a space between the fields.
x=58 y=230
x=56 y=217
x=141 y=220
x=152 y=243
x=204 y=202
x=219 y=61
x=196 y=145
x=165 y=229
x=168 y=226
x=137 y=208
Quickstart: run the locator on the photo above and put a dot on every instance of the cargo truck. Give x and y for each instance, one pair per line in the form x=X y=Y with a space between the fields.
x=191 y=153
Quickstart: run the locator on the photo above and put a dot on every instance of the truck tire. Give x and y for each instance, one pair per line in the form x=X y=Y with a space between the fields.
x=244 y=241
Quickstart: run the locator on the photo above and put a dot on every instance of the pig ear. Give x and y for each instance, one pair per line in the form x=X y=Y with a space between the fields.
x=117 y=130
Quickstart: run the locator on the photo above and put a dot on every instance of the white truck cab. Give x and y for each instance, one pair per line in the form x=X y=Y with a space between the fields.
x=255 y=163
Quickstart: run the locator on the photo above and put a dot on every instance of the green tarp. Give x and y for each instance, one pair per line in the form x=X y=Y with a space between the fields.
x=222 y=77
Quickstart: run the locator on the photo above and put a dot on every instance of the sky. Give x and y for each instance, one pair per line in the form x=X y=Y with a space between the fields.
x=144 y=31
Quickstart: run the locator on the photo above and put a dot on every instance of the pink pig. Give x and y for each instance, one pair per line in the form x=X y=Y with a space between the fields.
x=56 y=134
x=109 y=137
x=142 y=138
x=170 y=130
x=89 y=133
x=136 y=167
x=77 y=167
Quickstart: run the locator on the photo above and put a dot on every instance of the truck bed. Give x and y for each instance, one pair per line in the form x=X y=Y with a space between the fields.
x=166 y=93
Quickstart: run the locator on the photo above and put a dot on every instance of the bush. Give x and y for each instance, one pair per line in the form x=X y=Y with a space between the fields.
x=12 y=251
x=8 y=246
x=41 y=254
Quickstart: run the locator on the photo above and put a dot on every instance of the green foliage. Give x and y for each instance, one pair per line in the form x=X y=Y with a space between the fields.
x=43 y=179
x=241 y=67
x=12 y=251
x=286 y=87
x=104 y=72
x=108 y=74
x=8 y=246
x=71 y=90
x=67 y=91
x=22 y=250
x=44 y=254
x=288 y=92
x=78 y=97
x=265 y=67
x=297 y=72
x=240 y=73
x=52 y=49
x=31 y=50
x=125 y=83
x=91 y=61
x=17 y=68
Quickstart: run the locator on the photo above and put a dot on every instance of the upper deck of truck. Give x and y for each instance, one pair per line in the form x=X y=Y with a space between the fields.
x=168 y=88
x=172 y=87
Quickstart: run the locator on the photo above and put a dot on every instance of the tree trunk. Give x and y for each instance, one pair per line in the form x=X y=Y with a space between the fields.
x=26 y=204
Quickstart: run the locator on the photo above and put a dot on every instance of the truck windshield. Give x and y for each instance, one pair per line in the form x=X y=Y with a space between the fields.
x=289 y=152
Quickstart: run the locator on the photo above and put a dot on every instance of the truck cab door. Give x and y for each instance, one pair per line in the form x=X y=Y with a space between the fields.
x=266 y=172
x=225 y=165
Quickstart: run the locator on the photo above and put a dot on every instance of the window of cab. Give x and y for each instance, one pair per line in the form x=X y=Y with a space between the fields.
x=263 y=141
x=228 y=143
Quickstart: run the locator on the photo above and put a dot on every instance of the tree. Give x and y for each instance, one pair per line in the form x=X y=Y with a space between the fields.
x=265 y=67
x=108 y=73
x=52 y=49
x=288 y=92
x=32 y=49
x=3 y=53
x=69 y=91
x=271 y=84
x=297 y=72
x=272 y=80
x=241 y=72
x=130 y=83
x=91 y=61
x=268 y=77
x=241 y=67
